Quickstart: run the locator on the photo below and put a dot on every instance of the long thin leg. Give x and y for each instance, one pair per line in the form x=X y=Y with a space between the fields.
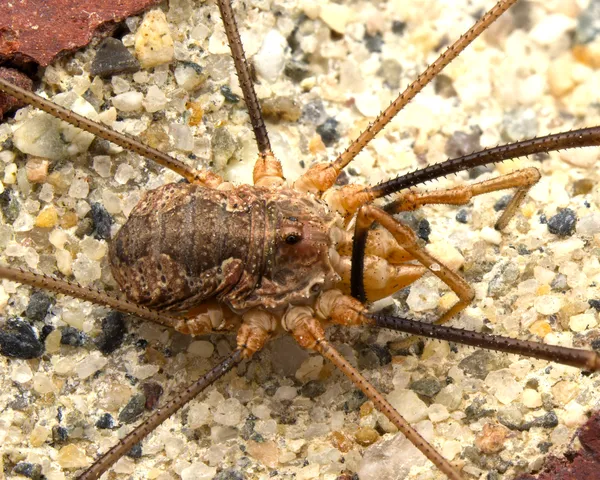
x=90 y=295
x=347 y=200
x=181 y=399
x=203 y=177
x=309 y=334
x=253 y=334
x=522 y=180
x=341 y=309
x=584 y=359
x=267 y=170
x=321 y=177
x=407 y=239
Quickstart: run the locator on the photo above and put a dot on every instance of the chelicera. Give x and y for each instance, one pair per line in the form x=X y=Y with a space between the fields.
x=294 y=256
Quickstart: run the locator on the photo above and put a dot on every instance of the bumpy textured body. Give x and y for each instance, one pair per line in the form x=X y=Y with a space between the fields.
x=184 y=244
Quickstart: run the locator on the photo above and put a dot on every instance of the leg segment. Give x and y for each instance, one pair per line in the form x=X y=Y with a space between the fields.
x=407 y=239
x=267 y=170
x=522 y=180
x=341 y=309
x=252 y=336
x=203 y=177
x=309 y=334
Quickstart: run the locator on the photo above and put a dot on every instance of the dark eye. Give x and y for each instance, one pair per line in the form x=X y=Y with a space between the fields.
x=292 y=239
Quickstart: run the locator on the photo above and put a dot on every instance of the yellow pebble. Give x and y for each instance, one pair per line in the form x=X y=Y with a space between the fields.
x=543 y=290
x=541 y=328
x=47 y=218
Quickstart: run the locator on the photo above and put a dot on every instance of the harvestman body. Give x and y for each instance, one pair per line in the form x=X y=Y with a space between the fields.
x=283 y=256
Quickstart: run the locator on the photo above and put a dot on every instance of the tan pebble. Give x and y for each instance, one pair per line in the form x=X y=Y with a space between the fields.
x=366 y=409
x=560 y=80
x=39 y=435
x=53 y=341
x=47 y=218
x=37 y=170
x=68 y=220
x=588 y=54
x=196 y=113
x=265 y=452
x=316 y=145
x=60 y=183
x=491 y=438
x=543 y=290
x=153 y=41
x=564 y=391
x=341 y=442
x=71 y=456
x=366 y=436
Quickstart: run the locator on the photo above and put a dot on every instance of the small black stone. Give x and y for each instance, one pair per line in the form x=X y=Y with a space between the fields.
x=72 y=337
x=105 y=422
x=398 y=27
x=502 y=203
x=328 y=131
x=9 y=204
x=229 y=95
x=462 y=216
x=18 y=340
x=424 y=229
x=544 y=446
x=373 y=42
x=113 y=333
x=38 y=306
x=229 y=474
x=427 y=386
x=595 y=304
x=102 y=221
x=113 y=58
x=563 y=223
x=135 y=452
x=30 y=470
x=312 y=389
x=59 y=434
x=133 y=410
x=296 y=70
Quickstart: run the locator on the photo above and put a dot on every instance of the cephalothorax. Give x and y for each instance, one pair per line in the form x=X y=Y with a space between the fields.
x=300 y=255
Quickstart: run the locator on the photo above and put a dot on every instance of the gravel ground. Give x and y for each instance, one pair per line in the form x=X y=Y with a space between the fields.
x=324 y=70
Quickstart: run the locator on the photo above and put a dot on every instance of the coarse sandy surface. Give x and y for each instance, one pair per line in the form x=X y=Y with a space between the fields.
x=287 y=414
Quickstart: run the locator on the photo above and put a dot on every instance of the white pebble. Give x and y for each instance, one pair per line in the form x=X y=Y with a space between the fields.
x=503 y=385
x=128 y=101
x=93 y=249
x=42 y=383
x=155 y=99
x=548 y=304
x=24 y=222
x=446 y=253
x=21 y=372
x=124 y=173
x=583 y=321
x=229 y=412
x=198 y=471
x=270 y=59
x=91 y=364
x=199 y=414
x=183 y=139
x=437 y=413
x=79 y=188
x=189 y=77
x=422 y=297
x=491 y=235
x=101 y=165
x=589 y=224
x=336 y=16
x=531 y=398
x=86 y=271
x=408 y=404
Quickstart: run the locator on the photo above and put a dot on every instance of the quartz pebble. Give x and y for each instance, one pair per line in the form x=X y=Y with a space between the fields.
x=153 y=42
x=503 y=385
x=270 y=59
x=128 y=101
x=71 y=457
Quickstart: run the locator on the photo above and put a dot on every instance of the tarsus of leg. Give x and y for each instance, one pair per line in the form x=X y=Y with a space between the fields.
x=267 y=170
x=181 y=399
x=322 y=177
x=203 y=177
x=522 y=180
x=309 y=334
x=254 y=332
x=90 y=295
